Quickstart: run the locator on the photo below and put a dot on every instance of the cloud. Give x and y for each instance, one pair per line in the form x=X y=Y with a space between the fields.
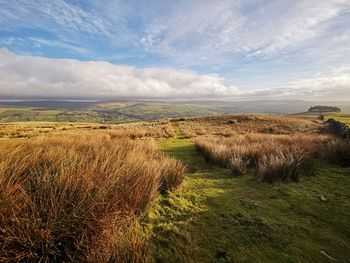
x=286 y=25
x=208 y=29
x=38 y=77
x=28 y=76
x=332 y=85
x=56 y=14
x=186 y=31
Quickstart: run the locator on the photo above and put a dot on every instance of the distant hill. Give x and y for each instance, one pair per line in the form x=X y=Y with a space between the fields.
x=324 y=109
x=138 y=110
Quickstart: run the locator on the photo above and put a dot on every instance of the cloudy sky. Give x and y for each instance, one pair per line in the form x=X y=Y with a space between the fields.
x=255 y=49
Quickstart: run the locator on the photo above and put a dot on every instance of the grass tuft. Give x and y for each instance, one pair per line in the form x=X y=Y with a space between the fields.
x=270 y=157
x=338 y=152
x=74 y=198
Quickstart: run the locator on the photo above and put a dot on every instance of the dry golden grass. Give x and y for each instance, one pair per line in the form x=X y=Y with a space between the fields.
x=270 y=157
x=154 y=129
x=232 y=124
x=74 y=197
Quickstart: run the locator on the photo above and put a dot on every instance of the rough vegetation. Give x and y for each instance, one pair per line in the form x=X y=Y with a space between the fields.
x=153 y=129
x=74 y=198
x=281 y=152
x=232 y=124
x=340 y=129
x=270 y=157
x=104 y=193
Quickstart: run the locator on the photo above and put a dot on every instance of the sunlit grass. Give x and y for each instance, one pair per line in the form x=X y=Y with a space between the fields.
x=215 y=217
x=74 y=197
x=345 y=118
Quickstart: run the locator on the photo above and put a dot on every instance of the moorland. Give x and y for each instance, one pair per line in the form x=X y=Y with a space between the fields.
x=228 y=188
x=112 y=112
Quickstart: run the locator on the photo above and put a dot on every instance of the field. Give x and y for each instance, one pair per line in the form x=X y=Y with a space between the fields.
x=108 y=112
x=153 y=129
x=114 y=112
x=345 y=118
x=237 y=188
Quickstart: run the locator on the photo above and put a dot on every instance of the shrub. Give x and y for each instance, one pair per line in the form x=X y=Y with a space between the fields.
x=68 y=198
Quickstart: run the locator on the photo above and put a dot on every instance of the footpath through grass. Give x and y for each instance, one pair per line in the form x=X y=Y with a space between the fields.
x=215 y=217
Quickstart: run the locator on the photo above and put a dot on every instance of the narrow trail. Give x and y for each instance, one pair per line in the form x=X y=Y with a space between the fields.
x=189 y=221
x=215 y=217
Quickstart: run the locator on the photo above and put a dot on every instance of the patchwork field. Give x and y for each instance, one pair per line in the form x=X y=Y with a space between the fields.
x=110 y=112
x=237 y=188
x=107 y=112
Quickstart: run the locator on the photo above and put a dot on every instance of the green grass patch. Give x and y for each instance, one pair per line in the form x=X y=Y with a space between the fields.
x=215 y=217
x=345 y=118
x=164 y=110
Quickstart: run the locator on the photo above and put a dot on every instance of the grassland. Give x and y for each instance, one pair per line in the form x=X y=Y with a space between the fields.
x=216 y=217
x=73 y=198
x=345 y=118
x=232 y=124
x=208 y=215
x=269 y=157
x=153 y=129
x=58 y=115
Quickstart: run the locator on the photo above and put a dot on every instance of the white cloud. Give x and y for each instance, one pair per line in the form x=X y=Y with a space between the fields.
x=288 y=24
x=28 y=76
x=187 y=31
x=332 y=85
x=207 y=29
x=67 y=16
x=24 y=76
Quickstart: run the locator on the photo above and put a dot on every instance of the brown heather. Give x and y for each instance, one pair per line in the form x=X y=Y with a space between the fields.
x=270 y=157
x=75 y=197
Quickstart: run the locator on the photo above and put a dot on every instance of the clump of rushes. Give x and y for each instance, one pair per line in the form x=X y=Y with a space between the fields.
x=270 y=157
x=283 y=166
x=172 y=172
x=74 y=198
x=338 y=152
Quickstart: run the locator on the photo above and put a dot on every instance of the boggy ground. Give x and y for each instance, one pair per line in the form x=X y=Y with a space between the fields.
x=216 y=217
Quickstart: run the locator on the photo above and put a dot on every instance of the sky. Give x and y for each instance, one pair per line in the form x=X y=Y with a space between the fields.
x=185 y=49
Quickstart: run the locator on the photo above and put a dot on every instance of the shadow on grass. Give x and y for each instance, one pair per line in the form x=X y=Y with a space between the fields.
x=215 y=217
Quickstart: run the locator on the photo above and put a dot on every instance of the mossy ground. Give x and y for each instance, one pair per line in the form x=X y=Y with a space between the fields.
x=215 y=217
